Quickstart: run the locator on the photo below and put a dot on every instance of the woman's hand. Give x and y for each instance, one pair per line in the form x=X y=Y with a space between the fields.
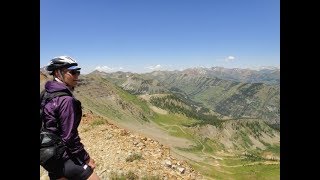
x=91 y=163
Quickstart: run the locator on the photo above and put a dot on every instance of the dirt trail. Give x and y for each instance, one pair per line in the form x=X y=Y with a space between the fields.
x=203 y=147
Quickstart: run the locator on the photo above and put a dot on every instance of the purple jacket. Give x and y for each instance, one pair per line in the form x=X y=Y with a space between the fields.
x=66 y=111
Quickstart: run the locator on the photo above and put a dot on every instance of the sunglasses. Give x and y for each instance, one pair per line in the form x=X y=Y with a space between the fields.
x=74 y=72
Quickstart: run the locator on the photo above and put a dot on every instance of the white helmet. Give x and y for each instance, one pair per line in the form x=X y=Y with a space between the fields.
x=61 y=62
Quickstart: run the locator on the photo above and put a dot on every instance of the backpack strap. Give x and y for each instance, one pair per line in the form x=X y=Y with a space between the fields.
x=45 y=97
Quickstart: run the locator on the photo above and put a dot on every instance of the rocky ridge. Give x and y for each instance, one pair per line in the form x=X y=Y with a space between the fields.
x=120 y=153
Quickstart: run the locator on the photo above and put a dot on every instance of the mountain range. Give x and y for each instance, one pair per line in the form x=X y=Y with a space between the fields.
x=230 y=93
x=226 y=125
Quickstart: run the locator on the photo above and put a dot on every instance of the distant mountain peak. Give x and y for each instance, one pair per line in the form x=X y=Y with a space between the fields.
x=195 y=71
x=268 y=68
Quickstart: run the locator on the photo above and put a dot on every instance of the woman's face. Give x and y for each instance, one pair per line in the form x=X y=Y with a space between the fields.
x=71 y=77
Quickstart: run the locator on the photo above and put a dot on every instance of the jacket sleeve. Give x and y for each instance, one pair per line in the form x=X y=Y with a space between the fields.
x=69 y=128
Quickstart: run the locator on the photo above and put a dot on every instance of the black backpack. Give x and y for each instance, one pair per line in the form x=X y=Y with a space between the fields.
x=45 y=97
x=51 y=145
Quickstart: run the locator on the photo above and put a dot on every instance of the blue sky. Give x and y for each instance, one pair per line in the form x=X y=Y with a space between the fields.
x=145 y=35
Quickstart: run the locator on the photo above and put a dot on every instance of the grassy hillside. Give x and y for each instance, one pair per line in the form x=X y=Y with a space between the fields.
x=224 y=97
x=103 y=97
x=136 y=83
x=246 y=149
x=228 y=98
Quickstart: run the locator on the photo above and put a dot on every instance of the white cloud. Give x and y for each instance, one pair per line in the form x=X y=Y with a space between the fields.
x=230 y=59
x=156 y=67
x=108 y=69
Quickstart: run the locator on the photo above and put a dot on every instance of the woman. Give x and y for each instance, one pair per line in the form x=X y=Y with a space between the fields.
x=62 y=116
